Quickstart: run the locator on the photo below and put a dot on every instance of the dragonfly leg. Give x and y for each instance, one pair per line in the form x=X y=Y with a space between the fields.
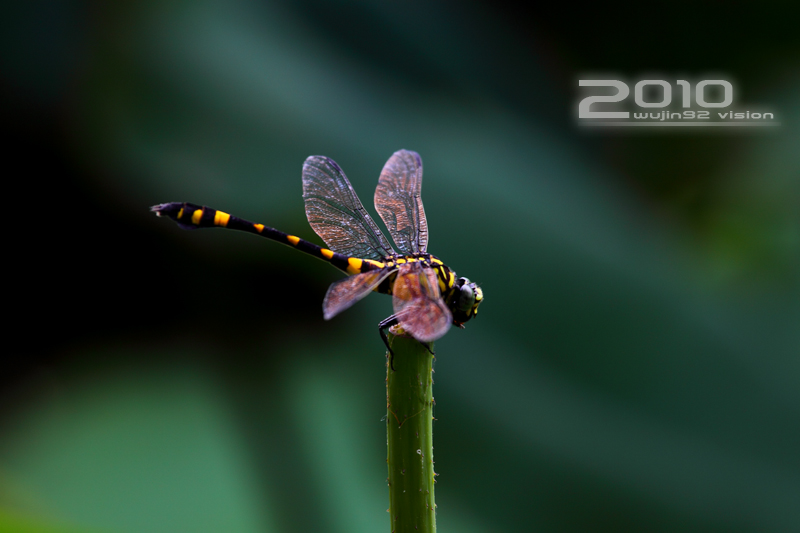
x=385 y=324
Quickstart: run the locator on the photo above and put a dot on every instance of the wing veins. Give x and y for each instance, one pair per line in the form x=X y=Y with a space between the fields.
x=398 y=200
x=418 y=304
x=337 y=215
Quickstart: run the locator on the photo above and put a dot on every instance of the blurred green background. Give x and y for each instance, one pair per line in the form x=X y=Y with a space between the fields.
x=635 y=365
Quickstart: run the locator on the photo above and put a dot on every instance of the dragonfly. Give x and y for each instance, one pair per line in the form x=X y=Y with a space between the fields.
x=427 y=297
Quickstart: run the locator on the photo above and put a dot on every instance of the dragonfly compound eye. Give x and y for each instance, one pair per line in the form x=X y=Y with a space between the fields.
x=467 y=298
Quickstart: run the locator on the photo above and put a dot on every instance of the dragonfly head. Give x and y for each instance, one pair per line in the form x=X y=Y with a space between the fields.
x=465 y=299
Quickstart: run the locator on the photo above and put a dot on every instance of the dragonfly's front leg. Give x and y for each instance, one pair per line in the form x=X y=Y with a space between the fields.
x=387 y=323
x=383 y=325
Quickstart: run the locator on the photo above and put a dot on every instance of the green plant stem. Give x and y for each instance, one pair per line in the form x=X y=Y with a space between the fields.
x=409 y=431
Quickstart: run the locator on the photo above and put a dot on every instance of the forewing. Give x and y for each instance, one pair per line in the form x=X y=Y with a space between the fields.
x=418 y=303
x=345 y=292
x=399 y=202
x=336 y=214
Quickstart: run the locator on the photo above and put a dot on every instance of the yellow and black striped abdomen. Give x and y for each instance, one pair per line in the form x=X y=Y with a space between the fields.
x=191 y=216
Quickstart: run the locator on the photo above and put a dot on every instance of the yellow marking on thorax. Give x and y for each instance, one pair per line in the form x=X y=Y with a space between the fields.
x=436 y=261
x=180 y=213
x=196 y=216
x=401 y=261
x=375 y=263
x=221 y=219
x=447 y=281
x=326 y=253
x=292 y=239
x=259 y=227
x=354 y=265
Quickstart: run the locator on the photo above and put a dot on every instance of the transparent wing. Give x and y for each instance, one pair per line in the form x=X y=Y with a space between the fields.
x=399 y=202
x=418 y=303
x=345 y=292
x=336 y=214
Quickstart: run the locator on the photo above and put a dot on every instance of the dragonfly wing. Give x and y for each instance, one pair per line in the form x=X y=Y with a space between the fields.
x=418 y=303
x=399 y=202
x=336 y=214
x=345 y=292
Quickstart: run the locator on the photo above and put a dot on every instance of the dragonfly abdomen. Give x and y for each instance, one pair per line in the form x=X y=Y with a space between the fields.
x=192 y=216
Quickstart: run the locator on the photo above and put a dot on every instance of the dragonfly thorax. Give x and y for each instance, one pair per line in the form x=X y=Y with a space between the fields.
x=461 y=295
x=445 y=276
